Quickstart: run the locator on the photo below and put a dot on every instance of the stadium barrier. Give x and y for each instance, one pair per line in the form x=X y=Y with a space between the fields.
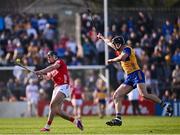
x=9 y=109
x=162 y=112
x=89 y=108
x=13 y=109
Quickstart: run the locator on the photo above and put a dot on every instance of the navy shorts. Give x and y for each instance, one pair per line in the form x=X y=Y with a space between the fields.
x=102 y=101
x=134 y=78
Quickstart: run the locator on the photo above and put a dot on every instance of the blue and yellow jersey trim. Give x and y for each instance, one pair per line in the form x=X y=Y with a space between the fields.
x=130 y=65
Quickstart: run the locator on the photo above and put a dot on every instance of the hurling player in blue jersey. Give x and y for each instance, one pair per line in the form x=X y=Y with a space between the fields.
x=125 y=55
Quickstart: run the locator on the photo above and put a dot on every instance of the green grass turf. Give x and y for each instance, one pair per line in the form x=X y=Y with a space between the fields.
x=93 y=125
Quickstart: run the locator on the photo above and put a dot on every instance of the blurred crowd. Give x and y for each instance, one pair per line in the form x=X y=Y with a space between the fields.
x=30 y=36
x=157 y=47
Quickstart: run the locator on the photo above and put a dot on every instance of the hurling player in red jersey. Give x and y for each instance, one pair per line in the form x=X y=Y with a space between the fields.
x=77 y=95
x=58 y=73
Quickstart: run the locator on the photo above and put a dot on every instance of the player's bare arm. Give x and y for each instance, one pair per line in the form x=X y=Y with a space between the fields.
x=119 y=58
x=46 y=77
x=107 y=41
x=48 y=69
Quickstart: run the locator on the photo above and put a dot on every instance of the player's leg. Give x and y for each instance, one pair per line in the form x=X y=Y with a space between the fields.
x=137 y=107
x=35 y=109
x=119 y=95
x=122 y=90
x=74 y=103
x=143 y=92
x=51 y=114
x=29 y=109
x=133 y=107
x=59 y=99
x=50 y=118
x=80 y=108
x=79 y=111
x=35 y=106
x=75 y=110
x=103 y=109
x=99 y=109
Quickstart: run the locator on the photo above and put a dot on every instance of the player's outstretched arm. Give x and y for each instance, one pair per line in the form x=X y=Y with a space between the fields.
x=48 y=69
x=107 y=41
x=118 y=58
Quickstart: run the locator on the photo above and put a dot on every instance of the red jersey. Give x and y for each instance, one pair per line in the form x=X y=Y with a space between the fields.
x=60 y=76
x=77 y=93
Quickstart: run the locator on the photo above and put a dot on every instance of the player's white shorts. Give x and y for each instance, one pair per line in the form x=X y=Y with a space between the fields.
x=77 y=102
x=62 y=88
x=32 y=101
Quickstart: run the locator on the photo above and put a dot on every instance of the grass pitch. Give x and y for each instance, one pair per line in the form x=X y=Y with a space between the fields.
x=92 y=125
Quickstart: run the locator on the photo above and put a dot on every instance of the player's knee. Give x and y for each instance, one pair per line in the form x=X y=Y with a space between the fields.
x=116 y=97
x=59 y=110
x=52 y=107
x=144 y=95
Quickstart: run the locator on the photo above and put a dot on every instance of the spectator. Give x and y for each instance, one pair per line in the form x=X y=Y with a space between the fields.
x=46 y=86
x=176 y=57
x=71 y=44
x=10 y=88
x=167 y=28
x=3 y=92
x=166 y=95
x=31 y=31
x=176 y=80
x=100 y=52
x=148 y=79
x=89 y=52
x=8 y=22
x=42 y=21
x=2 y=25
x=154 y=74
x=19 y=89
x=18 y=73
x=48 y=32
x=32 y=96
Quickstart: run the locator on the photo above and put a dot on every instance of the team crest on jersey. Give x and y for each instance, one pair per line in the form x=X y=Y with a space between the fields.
x=54 y=73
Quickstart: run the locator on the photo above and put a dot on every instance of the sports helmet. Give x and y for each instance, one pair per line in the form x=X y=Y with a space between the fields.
x=118 y=41
x=52 y=53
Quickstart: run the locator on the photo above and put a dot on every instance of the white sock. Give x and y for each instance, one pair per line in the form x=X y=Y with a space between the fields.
x=47 y=126
x=75 y=121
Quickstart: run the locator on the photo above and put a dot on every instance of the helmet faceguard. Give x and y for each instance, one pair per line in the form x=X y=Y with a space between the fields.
x=52 y=53
x=118 y=41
